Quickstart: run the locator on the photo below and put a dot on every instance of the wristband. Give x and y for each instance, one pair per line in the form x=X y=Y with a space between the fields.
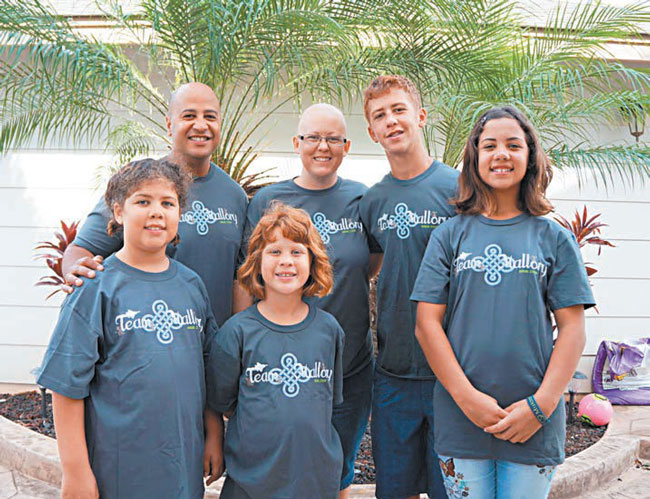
x=537 y=412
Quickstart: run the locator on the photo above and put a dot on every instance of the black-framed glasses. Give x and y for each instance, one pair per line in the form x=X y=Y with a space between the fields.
x=332 y=140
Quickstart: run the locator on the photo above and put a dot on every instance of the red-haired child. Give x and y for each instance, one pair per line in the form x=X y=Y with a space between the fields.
x=276 y=368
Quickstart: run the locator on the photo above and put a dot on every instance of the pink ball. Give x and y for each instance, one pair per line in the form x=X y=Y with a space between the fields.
x=595 y=409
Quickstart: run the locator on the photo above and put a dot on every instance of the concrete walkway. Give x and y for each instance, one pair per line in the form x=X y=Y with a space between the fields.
x=16 y=486
x=616 y=467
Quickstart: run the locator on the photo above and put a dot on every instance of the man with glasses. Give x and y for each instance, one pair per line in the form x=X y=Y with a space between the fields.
x=333 y=205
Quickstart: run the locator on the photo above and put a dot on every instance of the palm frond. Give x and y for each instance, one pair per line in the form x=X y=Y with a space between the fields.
x=605 y=164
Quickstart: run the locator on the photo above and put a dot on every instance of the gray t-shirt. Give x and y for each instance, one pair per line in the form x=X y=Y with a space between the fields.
x=281 y=382
x=132 y=344
x=210 y=229
x=400 y=215
x=500 y=279
x=335 y=214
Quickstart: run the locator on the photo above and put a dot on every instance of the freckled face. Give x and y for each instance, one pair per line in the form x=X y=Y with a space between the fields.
x=395 y=121
x=285 y=266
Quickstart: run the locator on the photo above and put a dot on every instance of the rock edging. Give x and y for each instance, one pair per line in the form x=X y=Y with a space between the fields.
x=36 y=456
x=29 y=453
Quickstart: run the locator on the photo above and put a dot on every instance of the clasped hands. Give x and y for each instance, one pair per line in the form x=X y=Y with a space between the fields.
x=516 y=423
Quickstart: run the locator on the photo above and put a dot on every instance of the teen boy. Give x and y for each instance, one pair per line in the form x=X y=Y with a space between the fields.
x=400 y=212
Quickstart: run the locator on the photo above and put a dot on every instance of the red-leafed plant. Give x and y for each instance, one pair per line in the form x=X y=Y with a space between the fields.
x=587 y=231
x=53 y=255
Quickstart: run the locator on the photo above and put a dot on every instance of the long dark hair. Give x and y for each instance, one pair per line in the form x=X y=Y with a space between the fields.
x=475 y=196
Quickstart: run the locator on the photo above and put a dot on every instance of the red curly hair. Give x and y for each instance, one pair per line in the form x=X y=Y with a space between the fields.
x=294 y=224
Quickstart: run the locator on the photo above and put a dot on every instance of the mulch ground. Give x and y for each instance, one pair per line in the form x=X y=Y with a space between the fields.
x=25 y=409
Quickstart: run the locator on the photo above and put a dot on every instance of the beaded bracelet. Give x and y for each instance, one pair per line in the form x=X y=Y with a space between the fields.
x=537 y=412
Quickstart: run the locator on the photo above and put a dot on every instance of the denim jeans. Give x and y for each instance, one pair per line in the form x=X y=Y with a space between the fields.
x=490 y=479
x=402 y=438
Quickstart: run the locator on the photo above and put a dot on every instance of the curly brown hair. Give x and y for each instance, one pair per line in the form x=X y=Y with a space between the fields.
x=476 y=197
x=294 y=224
x=383 y=84
x=128 y=178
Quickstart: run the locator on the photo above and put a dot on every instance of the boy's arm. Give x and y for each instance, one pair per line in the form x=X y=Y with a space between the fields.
x=213 y=453
x=78 y=479
x=374 y=264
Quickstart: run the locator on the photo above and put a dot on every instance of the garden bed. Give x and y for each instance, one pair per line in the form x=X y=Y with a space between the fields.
x=25 y=409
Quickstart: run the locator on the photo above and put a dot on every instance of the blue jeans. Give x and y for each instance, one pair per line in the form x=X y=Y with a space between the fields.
x=350 y=417
x=490 y=479
x=402 y=438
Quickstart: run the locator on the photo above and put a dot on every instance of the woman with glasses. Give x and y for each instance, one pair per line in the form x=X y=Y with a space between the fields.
x=333 y=205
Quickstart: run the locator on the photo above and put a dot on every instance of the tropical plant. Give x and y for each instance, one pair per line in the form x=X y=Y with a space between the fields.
x=560 y=78
x=586 y=230
x=59 y=82
x=53 y=255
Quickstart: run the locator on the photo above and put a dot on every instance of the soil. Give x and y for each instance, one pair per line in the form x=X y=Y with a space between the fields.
x=25 y=409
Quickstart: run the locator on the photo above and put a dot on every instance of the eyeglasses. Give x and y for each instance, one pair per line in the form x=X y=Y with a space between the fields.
x=313 y=140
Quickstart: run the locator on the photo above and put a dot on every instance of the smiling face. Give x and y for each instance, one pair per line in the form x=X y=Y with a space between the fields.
x=149 y=217
x=395 y=121
x=321 y=160
x=193 y=122
x=502 y=155
x=284 y=266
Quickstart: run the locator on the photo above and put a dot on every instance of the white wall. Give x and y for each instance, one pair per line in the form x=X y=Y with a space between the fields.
x=37 y=188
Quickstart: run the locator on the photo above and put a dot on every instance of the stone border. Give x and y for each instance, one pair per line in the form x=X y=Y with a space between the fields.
x=36 y=456
x=595 y=466
x=29 y=453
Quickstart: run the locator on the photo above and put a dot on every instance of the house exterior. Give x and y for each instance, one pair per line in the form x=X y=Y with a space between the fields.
x=39 y=187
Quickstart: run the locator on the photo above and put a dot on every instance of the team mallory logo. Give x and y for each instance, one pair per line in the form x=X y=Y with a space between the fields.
x=203 y=217
x=403 y=219
x=494 y=262
x=327 y=227
x=163 y=321
x=289 y=375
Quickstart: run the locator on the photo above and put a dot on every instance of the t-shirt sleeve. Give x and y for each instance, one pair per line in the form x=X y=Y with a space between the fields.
x=92 y=235
x=69 y=362
x=253 y=214
x=338 y=367
x=568 y=284
x=223 y=369
x=211 y=328
x=364 y=213
x=432 y=282
x=373 y=245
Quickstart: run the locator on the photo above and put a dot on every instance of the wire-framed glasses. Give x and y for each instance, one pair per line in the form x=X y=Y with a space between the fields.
x=331 y=140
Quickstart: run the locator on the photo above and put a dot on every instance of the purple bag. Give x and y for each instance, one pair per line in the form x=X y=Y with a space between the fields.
x=622 y=371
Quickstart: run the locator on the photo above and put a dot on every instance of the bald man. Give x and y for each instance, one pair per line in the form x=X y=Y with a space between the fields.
x=212 y=226
x=333 y=205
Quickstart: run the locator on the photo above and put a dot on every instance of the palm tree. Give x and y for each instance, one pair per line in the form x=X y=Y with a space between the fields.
x=59 y=83
x=56 y=82
x=560 y=78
